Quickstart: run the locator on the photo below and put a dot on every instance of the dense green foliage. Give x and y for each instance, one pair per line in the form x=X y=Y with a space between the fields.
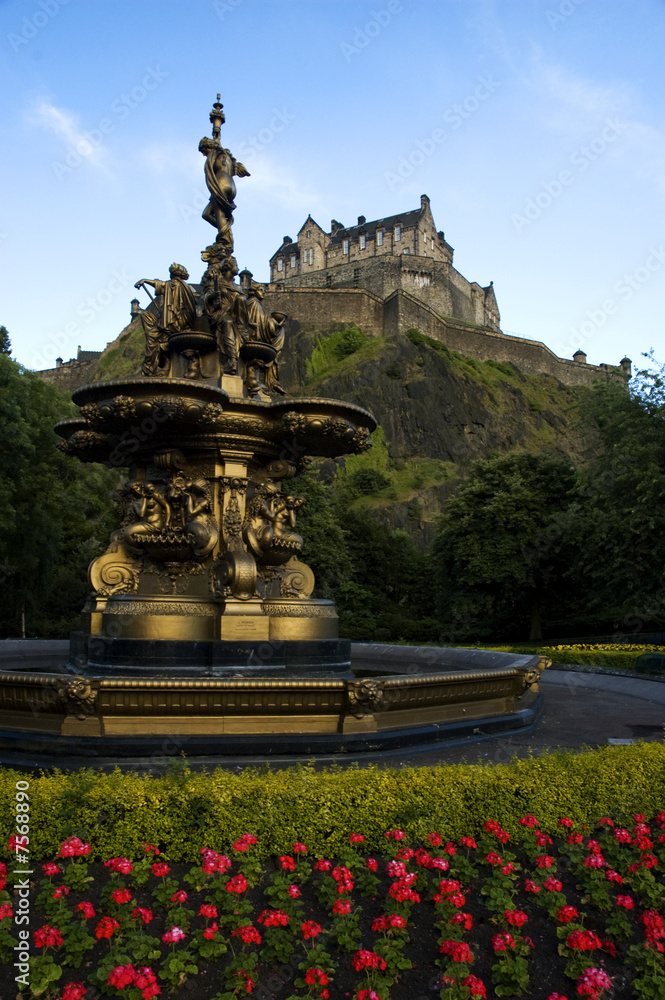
x=55 y=512
x=183 y=811
x=499 y=549
x=377 y=576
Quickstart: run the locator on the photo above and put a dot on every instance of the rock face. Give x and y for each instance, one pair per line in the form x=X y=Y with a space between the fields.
x=438 y=411
x=437 y=404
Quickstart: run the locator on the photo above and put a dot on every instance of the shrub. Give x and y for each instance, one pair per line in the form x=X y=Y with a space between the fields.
x=116 y=812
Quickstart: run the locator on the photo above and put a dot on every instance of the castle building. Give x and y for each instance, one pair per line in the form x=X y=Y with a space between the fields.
x=399 y=252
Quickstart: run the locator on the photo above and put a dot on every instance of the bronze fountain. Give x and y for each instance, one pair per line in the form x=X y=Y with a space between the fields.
x=201 y=625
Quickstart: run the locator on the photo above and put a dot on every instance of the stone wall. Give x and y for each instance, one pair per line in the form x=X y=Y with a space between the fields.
x=314 y=309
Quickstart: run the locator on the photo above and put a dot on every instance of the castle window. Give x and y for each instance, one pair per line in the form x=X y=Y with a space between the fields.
x=362 y=242
x=328 y=280
x=293 y=260
x=280 y=264
x=398 y=234
x=308 y=233
x=311 y=256
x=406 y=249
x=432 y=247
x=345 y=246
x=379 y=238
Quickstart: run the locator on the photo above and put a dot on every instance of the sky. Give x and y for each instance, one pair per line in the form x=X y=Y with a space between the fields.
x=536 y=127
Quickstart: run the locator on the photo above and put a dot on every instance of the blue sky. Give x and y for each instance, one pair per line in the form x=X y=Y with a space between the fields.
x=537 y=128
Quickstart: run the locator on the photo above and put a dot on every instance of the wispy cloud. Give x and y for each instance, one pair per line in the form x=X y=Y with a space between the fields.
x=88 y=145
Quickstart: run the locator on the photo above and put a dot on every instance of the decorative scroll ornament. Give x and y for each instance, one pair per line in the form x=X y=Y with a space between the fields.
x=366 y=697
x=110 y=574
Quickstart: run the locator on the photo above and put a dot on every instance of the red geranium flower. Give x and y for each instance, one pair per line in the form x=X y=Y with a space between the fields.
x=62 y=890
x=625 y=901
x=237 y=884
x=299 y=848
x=173 y=935
x=342 y=906
x=86 y=910
x=544 y=861
x=501 y=942
x=531 y=886
x=73 y=991
x=6 y=911
x=462 y=918
x=248 y=934
x=47 y=937
x=517 y=918
x=372 y=864
x=322 y=865
x=310 y=929
x=592 y=982
x=51 y=869
x=141 y=913
x=367 y=960
x=552 y=884
x=106 y=928
x=356 y=838
x=566 y=914
x=208 y=910
x=528 y=820
x=160 y=868
x=475 y=986
x=73 y=847
x=287 y=863
x=459 y=951
x=179 y=897
x=583 y=941
x=121 y=896
x=121 y=976
x=122 y=866
x=274 y=918
x=435 y=839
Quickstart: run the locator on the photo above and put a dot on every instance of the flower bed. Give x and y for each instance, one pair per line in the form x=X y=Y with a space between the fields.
x=613 y=655
x=574 y=913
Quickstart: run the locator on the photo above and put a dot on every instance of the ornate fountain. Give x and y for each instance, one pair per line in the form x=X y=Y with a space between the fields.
x=201 y=624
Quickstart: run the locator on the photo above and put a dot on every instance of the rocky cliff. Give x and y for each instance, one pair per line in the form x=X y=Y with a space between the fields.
x=438 y=411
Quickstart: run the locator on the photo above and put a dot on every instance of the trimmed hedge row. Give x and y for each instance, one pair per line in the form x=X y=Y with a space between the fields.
x=624 y=657
x=183 y=811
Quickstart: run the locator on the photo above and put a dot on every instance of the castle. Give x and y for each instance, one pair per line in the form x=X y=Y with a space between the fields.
x=400 y=252
x=385 y=276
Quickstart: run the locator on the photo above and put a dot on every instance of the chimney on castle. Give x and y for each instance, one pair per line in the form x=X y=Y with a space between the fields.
x=424 y=202
x=335 y=226
x=361 y=220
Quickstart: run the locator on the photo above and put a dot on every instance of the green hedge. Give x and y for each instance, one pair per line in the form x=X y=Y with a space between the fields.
x=183 y=811
x=624 y=657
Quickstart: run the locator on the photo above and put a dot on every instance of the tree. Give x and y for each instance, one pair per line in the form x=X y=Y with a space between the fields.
x=5 y=342
x=620 y=512
x=56 y=513
x=498 y=554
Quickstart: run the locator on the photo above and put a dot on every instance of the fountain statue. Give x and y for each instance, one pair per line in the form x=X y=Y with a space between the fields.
x=201 y=621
